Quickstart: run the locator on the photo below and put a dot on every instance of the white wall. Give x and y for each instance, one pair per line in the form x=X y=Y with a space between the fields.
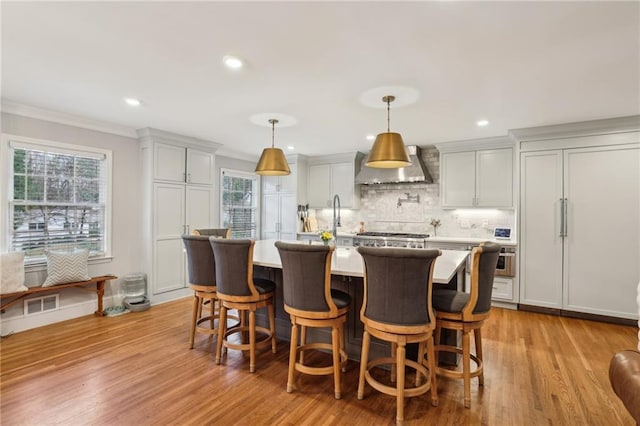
x=125 y=233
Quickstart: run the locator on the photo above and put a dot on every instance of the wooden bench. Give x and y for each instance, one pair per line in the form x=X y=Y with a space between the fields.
x=98 y=281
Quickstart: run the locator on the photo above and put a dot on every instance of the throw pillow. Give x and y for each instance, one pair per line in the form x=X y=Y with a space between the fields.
x=67 y=267
x=12 y=272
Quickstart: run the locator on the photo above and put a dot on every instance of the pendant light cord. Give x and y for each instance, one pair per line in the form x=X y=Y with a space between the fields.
x=388 y=114
x=273 y=122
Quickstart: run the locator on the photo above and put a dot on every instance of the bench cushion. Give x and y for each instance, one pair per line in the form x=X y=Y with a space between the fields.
x=12 y=272
x=67 y=267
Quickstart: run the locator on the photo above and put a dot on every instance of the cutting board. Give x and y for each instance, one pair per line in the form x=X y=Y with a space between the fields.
x=310 y=224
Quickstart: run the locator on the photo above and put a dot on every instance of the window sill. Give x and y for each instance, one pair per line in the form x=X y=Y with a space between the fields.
x=42 y=266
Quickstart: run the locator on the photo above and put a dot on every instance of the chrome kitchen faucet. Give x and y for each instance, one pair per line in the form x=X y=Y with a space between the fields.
x=336 y=221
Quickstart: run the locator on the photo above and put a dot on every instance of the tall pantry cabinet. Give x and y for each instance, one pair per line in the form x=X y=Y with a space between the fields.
x=178 y=178
x=281 y=196
x=580 y=220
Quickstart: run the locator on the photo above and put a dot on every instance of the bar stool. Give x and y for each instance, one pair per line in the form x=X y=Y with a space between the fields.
x=466 y=312
x=237 y=289
x=397 y=309
x=202 y=280
x=310 y=302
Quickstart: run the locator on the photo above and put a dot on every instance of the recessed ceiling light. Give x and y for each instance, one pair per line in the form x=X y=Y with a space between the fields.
x=370 y=137
x=132 y=102
x=482 y=123
x=291 y=148
x=232 y=62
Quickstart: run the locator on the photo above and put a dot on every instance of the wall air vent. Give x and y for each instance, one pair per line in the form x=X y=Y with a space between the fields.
x=37 y=305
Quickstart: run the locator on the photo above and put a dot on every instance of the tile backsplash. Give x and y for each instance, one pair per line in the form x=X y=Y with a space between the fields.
x=410 y=208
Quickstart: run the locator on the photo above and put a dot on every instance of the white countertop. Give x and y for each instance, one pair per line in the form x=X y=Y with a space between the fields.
x=340 y=234
x=470 y=240
x=347 y=261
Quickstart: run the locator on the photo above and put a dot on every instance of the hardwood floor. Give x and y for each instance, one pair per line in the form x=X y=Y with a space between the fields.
x=138 y=369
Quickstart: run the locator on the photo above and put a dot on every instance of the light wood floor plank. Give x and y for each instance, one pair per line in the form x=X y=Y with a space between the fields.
x=137 y=369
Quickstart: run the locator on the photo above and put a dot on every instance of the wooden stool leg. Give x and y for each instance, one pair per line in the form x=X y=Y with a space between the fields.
x=394 y=367
x=436 y=341
x=222 y=328
x=364 y=359
x=420 y=361
x=335 y=347
x=400 y=357
x=477 y=337
x=431 y=362
x=303 y=341
x=252 y=341
x=343 y=345
x=292 y=354
x=466 y=367
x=272 y=327
x=212 y=302
x=194 y=319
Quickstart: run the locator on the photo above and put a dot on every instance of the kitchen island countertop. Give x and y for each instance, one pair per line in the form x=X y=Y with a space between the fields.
x=347 y=261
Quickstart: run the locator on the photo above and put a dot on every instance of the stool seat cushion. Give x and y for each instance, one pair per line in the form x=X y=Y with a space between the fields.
x=264 y=286
x=340 y=298
x=449 y=300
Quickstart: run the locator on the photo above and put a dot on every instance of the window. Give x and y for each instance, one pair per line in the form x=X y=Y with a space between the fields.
x=58 y=198
x=239 y=201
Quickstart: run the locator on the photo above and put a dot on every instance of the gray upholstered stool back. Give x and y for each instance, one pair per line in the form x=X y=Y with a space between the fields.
x=214 y=232
x=488 y=258
x=200 y=262
x=303 y=275
x=398 y=285
x=232 y=265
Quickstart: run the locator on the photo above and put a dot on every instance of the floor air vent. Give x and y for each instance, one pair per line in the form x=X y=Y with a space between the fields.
x=41 y=304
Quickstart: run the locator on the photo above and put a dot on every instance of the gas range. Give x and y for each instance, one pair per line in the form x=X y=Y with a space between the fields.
x=390 y=239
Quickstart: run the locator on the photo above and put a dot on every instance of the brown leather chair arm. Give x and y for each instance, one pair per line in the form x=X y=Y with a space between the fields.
x=624 y=375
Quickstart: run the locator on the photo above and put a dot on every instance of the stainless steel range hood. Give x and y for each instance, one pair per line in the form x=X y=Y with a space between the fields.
x=416 y=172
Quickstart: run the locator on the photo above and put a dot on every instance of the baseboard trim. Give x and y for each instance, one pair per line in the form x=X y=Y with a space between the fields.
x=579 y=315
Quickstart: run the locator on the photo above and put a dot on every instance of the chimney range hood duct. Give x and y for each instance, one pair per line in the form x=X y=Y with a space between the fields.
x=416 y=172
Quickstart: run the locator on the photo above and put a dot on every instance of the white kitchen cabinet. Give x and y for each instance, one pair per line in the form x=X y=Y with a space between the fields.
x=281 y=196
x=482 y=178
x=178 y=197
x=277 y=221
x=580 y=233
x=180 y=164
x=331 y=175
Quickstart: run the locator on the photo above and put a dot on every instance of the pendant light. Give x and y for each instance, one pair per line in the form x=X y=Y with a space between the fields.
x=272 y=161
x=388 y=150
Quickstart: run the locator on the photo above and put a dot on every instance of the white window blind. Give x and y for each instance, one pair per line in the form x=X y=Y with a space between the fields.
x=58 y=199
x=239 y=195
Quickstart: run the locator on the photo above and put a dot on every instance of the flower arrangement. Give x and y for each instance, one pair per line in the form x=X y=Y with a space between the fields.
x=435 y=223
x=326 y=236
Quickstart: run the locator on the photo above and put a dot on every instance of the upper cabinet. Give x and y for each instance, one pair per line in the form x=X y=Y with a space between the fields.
x=477 y=173
x=181 y=164
x=334 y=175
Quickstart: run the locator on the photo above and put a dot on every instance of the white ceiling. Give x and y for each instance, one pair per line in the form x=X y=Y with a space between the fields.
x=517 y=64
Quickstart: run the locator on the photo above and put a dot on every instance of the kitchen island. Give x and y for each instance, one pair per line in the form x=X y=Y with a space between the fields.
x=346 y=275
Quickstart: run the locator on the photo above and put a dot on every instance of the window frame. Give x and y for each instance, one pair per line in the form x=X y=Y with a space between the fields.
x=257 y=204
x=6 y=188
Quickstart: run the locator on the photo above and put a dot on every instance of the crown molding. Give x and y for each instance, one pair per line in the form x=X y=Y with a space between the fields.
x=474 y=144
x=15 y=108
x=150 y=134
x=577 y=129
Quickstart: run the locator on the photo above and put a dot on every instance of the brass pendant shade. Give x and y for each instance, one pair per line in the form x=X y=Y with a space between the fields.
x=388 y=151
x=272 y=161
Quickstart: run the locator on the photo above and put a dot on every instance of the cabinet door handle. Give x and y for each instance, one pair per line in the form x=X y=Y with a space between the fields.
x=184 y=176
x=565 y=220
x=561 y=217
